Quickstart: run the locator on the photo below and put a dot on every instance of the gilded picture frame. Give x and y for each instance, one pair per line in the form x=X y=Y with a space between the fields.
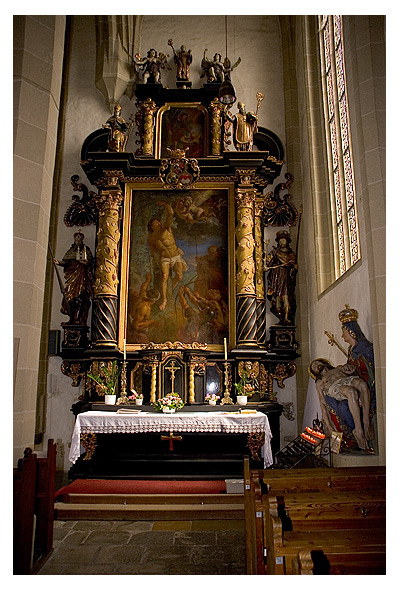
x=177 y=267
x=181 y=126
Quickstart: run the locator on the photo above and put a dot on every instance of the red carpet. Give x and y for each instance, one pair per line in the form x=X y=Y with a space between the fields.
x=120 y=486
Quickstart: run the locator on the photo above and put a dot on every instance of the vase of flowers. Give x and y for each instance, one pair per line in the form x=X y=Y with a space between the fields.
x=107 y=382
x=136 y=397
x=212 y=399
x=169 y=404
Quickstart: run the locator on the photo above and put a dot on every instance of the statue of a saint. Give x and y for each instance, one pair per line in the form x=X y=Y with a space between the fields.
x=77 y=264
x=182 y=58
x=118 y=131
x=244 y=127
x=281 y=265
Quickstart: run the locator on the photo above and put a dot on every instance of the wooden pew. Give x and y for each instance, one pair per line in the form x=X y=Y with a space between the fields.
x=319 y=511
x=44 y=505
x=354 y=544
x=34 y=484
x=23 y=512
x=266 y=491
x=320 y=479
x=253 y=513
x=340 y=524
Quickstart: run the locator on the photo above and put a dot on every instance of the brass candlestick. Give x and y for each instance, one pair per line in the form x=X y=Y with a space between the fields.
x=227 y=398
x=123 y=398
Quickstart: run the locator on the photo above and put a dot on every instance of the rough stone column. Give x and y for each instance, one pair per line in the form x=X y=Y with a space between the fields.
x=246 y=324
x=105 y=296
x=259 y=277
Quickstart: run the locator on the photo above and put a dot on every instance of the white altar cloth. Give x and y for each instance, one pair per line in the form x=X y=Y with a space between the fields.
x=112 y=422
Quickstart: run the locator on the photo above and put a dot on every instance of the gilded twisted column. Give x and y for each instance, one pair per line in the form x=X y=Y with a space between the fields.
x=245 y=268
x=216 y=125
x=105 y=302
x=149 y=108
x=153 y=384
x=259 y=272
x=192 y=398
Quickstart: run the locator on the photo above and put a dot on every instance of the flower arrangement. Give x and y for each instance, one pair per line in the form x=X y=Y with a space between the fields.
x=108 y=379
x=135 y=395
x=212 y=397
x=171 y=401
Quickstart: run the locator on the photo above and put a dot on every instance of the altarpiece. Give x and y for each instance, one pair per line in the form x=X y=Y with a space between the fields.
x=179 y=293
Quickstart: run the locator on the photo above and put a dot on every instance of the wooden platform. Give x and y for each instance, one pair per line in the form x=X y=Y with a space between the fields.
x=150 y=507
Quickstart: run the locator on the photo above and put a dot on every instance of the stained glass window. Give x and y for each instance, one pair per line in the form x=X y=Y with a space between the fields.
x=343 y=202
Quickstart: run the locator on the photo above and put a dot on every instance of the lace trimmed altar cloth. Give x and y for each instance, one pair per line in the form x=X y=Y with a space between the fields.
x=98 y=422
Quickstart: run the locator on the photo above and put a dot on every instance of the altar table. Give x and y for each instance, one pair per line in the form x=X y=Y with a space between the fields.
x=255 y=425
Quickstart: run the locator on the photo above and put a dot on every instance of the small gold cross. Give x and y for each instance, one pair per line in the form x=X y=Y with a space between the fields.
x=171 y=439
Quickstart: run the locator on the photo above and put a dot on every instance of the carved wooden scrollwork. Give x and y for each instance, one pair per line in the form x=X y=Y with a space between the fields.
x=278 y=211
x=83 y=211
x=283 y=371
x=74 y=370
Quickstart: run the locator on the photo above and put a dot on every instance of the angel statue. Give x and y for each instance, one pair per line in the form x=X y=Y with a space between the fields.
x=215 y=69
x=151 y=66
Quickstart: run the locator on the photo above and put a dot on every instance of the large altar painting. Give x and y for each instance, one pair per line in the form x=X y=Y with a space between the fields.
x=176 y=267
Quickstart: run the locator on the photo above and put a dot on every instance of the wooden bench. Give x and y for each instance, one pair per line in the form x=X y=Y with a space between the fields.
x=316 y=562
x=321 y=479
x=319 y=511
x=354 y=524
x=33 y=510
x=301 y=499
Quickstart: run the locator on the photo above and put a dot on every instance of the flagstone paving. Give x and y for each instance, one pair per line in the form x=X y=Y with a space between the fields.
x=147 y=548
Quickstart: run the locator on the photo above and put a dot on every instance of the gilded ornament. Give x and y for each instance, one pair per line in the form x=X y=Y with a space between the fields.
x=245 y=243
x=73 y=370
x=283 y=371
x=173 y=345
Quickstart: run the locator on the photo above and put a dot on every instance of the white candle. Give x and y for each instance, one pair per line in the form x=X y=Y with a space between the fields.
x=225 y=349
x=124 y=349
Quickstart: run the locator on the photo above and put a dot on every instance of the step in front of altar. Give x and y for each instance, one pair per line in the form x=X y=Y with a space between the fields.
x=150 y=507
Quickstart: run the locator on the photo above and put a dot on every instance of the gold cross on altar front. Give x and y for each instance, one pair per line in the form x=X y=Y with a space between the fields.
x=171 y=439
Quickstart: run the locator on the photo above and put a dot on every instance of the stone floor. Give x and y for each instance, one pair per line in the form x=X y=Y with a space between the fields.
x=84 y=547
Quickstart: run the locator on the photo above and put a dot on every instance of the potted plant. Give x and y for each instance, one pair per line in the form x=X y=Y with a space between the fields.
x=212 y=399
x=169 y=403
x=108 y=382
x=242 y=387
x=136 y=397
